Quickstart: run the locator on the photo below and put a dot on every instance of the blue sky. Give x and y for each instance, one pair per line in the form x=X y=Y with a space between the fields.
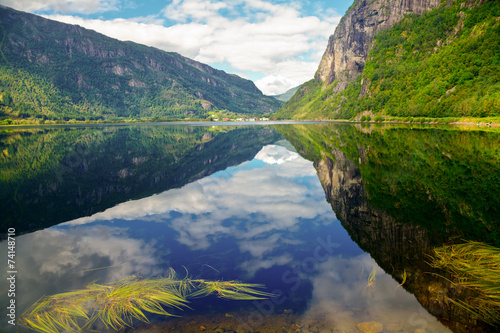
x=277 y=44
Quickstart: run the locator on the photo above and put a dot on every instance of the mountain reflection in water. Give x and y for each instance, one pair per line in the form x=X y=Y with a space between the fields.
x=263 y=220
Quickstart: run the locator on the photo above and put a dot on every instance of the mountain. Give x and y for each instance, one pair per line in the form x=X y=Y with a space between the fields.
x=52 y=70
x=286 y=95
x=426 y=58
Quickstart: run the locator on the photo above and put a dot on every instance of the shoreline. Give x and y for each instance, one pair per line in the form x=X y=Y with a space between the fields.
x=475 y=122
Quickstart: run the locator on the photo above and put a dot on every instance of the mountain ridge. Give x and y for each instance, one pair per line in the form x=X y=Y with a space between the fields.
x=287 y=94
x=78 y=72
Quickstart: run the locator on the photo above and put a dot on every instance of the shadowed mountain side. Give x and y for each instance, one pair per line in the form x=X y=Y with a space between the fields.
x=109 y=165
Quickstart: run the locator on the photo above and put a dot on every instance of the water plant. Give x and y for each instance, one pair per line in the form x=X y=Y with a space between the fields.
x=403 y=278
x=370 y=284
x=118 y=304
x=475 y=266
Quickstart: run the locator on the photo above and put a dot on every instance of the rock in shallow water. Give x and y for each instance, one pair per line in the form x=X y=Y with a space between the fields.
x=370 y=327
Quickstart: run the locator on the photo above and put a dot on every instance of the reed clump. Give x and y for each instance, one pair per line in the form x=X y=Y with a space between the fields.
x=475 y=266
x=118 y=304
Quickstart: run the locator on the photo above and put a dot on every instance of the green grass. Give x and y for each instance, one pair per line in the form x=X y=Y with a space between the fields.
x=117 y=305
x=475 y=266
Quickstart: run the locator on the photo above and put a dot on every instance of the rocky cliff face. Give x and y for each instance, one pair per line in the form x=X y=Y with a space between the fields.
x=348 y=47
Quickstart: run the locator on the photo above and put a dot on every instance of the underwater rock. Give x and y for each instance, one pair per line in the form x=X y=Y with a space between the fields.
x=393 y=327
x=370 y=327
x=420 y=330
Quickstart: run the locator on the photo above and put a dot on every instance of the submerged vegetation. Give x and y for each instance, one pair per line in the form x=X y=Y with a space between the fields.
x=117 y=305
x=476 y=267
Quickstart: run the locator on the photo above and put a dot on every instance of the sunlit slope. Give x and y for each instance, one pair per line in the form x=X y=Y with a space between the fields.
x=52 y=70
x=443 y=63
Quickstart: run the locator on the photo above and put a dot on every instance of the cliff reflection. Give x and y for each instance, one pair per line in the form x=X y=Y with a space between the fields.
x=400 y=191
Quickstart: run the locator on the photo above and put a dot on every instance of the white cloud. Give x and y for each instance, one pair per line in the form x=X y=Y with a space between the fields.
x=55 y=252
x=252 y=266
x=274 y=84
x=276 y=40
x=63 y=6
x=181 y=10
x=275 y=155
x=58 y=260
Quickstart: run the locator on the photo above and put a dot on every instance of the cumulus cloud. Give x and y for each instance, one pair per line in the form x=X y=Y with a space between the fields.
x=277 y=42
x=56 y=252
x=274 y=155
x=63 y=6
x=274 y=84
x=59 y=260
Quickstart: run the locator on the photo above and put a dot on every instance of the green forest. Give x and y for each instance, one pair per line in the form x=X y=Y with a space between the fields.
x=444 y=63
x=53 y=72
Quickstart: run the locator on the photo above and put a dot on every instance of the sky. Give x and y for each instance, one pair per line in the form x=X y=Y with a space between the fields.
x=275 y=43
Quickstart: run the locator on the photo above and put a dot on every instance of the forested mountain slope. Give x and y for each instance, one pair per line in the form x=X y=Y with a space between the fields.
x=52 y=70
x=442 y=62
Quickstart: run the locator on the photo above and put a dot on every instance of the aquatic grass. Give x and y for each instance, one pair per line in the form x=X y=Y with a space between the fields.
x=403 y=279
x=475 y=266
x=118 y=304
x=232 y=290
x=372 y=278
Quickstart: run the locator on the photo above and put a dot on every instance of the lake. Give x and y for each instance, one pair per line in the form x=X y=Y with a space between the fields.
x=339 y=222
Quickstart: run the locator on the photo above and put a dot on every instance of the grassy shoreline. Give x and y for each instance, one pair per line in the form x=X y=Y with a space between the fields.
x=487 y=122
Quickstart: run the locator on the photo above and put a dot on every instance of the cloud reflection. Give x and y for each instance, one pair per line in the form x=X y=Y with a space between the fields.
x=255 y=203
x=55 y=260
x=56 y=253
x=343 y=295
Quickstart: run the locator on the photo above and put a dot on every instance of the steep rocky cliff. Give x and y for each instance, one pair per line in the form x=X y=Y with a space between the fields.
x=401 y=58
x=347 y=50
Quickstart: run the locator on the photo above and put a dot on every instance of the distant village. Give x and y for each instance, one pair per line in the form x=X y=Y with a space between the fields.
x=239 y=119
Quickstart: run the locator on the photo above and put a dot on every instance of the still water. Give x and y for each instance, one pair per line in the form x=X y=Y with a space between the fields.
x=336 y=221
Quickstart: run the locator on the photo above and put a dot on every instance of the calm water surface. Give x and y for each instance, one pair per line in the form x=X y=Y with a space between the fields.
x=336 y=220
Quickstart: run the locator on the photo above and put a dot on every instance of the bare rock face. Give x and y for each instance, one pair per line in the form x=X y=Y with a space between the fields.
x=348 y=47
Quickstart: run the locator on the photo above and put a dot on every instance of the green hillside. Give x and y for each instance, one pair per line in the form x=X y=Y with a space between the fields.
x=445 y=63
x=286 y=95
x=55 y=71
